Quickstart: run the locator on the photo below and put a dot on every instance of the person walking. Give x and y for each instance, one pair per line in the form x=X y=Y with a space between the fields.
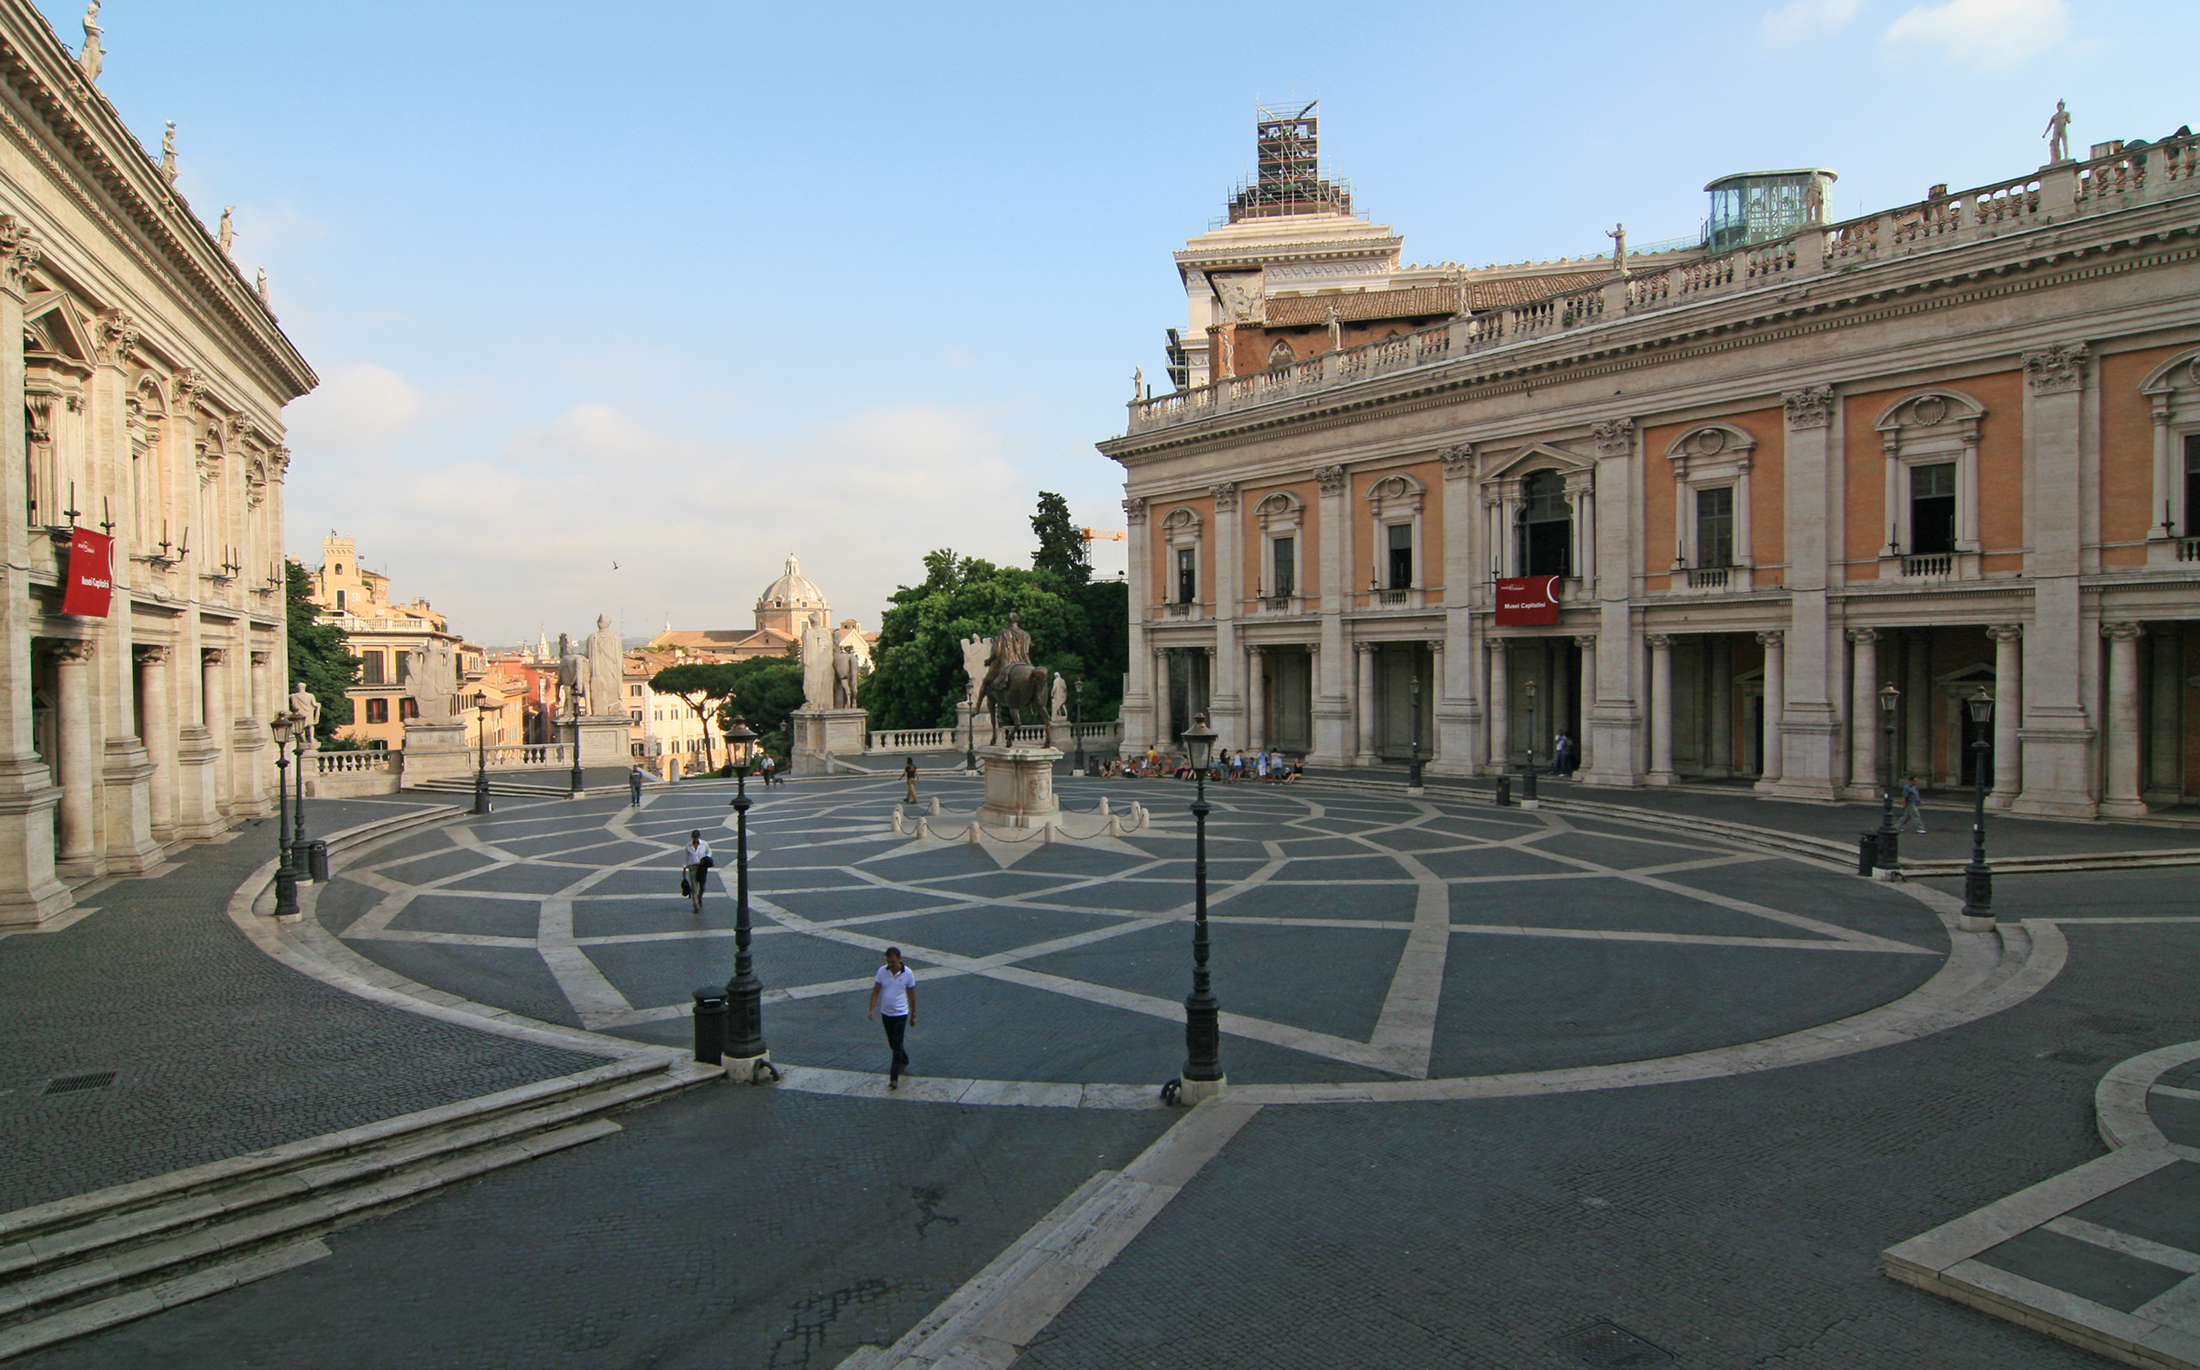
x=1562 y=756
x=695 y=869
x=894 y=1002
x=768 y=768
x=634 y=784
x=909 y=779
x=1913 y=805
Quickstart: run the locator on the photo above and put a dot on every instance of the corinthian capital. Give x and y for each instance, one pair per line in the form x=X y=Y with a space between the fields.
x=2060 y=368
x=18 y=253
x=1810 y=407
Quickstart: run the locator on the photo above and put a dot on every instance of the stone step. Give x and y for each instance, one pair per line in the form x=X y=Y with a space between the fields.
x=76 y=1264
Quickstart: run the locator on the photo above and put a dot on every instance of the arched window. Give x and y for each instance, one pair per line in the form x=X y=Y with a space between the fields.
x=1546 y=526
x=1281 y=354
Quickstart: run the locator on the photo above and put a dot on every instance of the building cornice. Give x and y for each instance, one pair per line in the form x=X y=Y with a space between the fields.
x=71 y=131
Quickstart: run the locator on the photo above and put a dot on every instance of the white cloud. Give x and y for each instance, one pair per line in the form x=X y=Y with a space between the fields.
x=358 y=410
x=1988 y=33
x=1802 y=19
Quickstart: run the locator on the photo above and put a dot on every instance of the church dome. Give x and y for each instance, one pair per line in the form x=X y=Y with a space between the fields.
x=791 y=591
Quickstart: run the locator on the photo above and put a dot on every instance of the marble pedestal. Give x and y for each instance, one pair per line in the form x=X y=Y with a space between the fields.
x=435 y=751
x=604 y=739
x=819 y=733
x=1019 y=787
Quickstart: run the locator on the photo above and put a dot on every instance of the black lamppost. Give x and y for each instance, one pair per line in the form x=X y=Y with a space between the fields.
x=304 y=734
x=744 y=992
x=1413 y=769
x=1978 y=877
x=286 y=877
x=1202 y=1074
x=1077 y=721
x=970 y=741
x=1890 y=837
x=481 y=754
x=1527 y=782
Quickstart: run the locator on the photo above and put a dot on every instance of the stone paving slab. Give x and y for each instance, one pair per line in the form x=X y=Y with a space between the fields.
x=214 y=1048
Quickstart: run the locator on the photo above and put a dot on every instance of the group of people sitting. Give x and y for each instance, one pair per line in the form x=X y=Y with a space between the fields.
x=1273 y=767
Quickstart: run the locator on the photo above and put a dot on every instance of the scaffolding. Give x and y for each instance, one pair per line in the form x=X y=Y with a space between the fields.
x=1287 y=177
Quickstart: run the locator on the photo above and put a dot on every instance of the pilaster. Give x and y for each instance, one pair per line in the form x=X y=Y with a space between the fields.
x=1225 y=690
x=1331 y=708
x=2060 y=654
x=1137 y=711
x=1809 y=765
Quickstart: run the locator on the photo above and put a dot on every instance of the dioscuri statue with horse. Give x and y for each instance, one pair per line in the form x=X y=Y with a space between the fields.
x=1012 y=683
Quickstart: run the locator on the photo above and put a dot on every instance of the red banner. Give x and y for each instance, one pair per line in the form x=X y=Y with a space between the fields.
x=1526 y=601
x=91 y=582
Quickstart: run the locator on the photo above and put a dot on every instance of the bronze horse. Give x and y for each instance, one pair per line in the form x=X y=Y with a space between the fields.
x=1019 y=687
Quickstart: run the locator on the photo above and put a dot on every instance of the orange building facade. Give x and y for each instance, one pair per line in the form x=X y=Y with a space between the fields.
x=1946 y=448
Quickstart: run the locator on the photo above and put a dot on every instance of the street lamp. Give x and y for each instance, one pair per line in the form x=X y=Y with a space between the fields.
x=1527 y=782
x=304 y=735
x=744 y=992
x=286 y=878
x=1890 y=837
x=1202 y=1074
x=1077 y=722
x=1978 y=877
x=1413 y=770
x=481 y=754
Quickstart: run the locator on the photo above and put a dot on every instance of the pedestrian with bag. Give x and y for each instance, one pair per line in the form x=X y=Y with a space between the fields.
x=769 y=767
x=695 y=870
x=894 y=1002
x=1913 y=806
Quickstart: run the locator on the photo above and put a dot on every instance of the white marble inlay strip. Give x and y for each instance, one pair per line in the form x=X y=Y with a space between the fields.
x=2175 y=1093
x=1406 y=1028
x=2108 y=1238
x=1691 y=939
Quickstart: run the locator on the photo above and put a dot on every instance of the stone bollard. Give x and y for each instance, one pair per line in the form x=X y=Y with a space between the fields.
x=901 y=829
x=710 y=1025
x=1104 y=804
x=935 y=806
x=971 y=834
x=924 y=828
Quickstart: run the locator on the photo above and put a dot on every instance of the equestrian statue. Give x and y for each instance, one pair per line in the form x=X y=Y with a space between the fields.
x=1012 y=682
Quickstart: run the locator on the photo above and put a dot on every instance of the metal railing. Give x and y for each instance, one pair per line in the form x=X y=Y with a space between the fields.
x=2054 y=195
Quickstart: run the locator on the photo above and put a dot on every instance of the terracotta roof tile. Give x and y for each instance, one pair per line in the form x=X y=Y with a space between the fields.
x=1519 y=290
x=1302 y=311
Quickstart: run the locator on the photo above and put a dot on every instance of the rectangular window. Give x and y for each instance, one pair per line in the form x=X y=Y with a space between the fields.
x=378 y=711
x=1285 y=552
x=370 y=667
x=339 y=599
x=404 y=667
x=636 y=715
x=1187 y=575
x=635 y=691
x=1715 y=526
x=1401 y=556
x=1932 y=509
x=2192 y=485
x=408 y=707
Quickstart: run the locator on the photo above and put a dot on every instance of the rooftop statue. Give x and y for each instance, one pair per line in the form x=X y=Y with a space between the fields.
x=228 y=230
x=90 y=58
x=2057 y=134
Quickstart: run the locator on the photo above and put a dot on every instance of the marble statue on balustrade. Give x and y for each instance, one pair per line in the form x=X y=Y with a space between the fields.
x=1059 y=703
x=572 y=678
x=817 y=667
x=305 y=706
x=848 y=671
x=606 y=669
x=2057 y=134
x=432 y=671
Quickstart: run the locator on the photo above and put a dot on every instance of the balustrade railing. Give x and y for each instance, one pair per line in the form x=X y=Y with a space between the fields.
x=914 y=740
x=1177 y=610
x=351 y=763
x=2188 y=549
x=527 y=756
x=1710 y=578
x=1392 y=599
x=2131 y=176
x=1277 y=604
x=1940 y=565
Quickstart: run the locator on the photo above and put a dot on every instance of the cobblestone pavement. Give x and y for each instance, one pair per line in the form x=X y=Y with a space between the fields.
x=1356 y=937
x=215 y=1049
x=728 y=1228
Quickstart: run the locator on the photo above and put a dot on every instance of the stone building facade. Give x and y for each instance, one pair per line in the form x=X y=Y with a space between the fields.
x=384 y=636
x=1949 y=446
x=149 y=379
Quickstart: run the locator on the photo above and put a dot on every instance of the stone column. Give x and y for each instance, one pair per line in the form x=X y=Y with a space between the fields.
x=1430 y=694
x=1588 y=692
x=2122 y=797
x=29 y=893
x=1138 y=708
x=1864 y=713
x=1500 y=706
x=2061 y=649
x=160 y=739
x=1331 y=705
x=77 y=856
x=1364 y=701
x=215 y=692
x=1719 y=717
x=1775 y=697
x=1661 y=710
x=2008 y=712
x=1457 y=694
x=1225 y=697
x=1256 y=698
x=2166 y=523
x=1808 y=761
x=1614 y=734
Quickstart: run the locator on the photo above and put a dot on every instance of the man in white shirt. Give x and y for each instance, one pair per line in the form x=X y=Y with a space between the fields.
x=695 y=867
x=894 y=1001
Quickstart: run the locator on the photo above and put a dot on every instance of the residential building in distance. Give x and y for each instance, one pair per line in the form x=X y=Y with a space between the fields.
x=1754 y=509
x=142 y=643
x=384 y=636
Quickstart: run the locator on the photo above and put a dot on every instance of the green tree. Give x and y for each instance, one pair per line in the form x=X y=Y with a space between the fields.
x=700 y=685
x=318 y=656
x=764 y=691
x=1062 y=546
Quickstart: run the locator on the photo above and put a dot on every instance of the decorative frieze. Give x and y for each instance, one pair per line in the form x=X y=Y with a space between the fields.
x=2059 y=369
x=1810 y=407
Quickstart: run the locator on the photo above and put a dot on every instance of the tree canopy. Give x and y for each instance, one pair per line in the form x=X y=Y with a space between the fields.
x=318 y=656
x=761 y=693
x=699 y=685
x=1062 y=546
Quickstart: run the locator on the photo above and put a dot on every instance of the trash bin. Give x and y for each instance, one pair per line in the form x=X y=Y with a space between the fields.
x=1867 y=852
x=710 y=1025
x=317 y=861
x=1504 y=791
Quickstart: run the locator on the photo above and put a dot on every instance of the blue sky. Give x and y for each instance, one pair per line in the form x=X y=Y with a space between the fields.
x=692 y=287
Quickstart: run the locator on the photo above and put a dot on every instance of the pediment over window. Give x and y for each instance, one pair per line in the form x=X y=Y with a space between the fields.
x=1396 y=493
x=53 y=323
x=1711 y=441
x=2181 y=372
x=1932 y=408
x=1540 y=456
x=1280 y=508
x=1181 y=520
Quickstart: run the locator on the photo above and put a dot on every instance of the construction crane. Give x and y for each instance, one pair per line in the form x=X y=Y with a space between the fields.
x=1104 y=535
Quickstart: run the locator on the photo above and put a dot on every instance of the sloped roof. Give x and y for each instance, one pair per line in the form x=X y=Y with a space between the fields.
x=1303 y=311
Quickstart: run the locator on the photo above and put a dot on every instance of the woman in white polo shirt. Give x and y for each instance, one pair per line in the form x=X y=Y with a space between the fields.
x=894 y=1000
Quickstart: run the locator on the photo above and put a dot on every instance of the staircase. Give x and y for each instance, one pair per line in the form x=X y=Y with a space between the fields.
x=547 y=788
x=79 y=1264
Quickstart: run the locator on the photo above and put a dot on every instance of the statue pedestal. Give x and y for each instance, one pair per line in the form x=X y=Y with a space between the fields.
x=603 y=739
x=819 y=733
x=435 y=751
x=1019 y=787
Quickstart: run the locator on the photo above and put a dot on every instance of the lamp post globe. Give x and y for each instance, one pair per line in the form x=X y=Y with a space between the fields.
x=1890 y=837
x=286 y=875
x=744 y=992
x=1978 y=877
x=1202 y=1074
